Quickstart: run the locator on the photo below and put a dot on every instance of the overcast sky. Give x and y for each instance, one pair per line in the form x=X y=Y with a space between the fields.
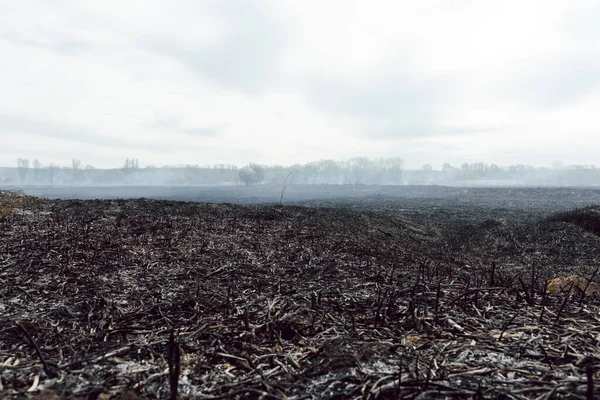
x=291 y=81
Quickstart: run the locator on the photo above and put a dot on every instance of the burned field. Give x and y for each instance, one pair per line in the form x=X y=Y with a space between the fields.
x=390 y=298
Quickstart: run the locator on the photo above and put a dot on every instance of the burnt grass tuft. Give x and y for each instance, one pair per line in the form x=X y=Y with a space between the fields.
x=587 y=218
x=390 y=299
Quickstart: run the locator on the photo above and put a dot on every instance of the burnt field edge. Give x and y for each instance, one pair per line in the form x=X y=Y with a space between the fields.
x=142 y=297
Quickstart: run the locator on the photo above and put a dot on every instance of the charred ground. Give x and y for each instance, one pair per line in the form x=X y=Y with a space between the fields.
x=378 y=296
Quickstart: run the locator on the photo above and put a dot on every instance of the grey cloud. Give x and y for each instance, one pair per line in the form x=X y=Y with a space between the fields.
x=225 y=153
x=416 y=129
x=201 y=131
x=60 y=44
x=563 y=78
x=553 y=81
x=580 y=23
x=391 y=105
x=70 y=47
x=174 y=124
x=244 y=59
x=165 y=123
x=10 y=123
x=380 y=97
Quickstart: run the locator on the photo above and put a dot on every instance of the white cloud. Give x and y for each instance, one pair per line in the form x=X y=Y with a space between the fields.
x=286 y=81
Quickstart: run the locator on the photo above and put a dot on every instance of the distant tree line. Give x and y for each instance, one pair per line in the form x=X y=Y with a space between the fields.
x=481 y=173
x=355 y=171
x=358 y=170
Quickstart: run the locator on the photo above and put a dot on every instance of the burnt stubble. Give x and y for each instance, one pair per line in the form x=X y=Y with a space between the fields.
x=380 y=295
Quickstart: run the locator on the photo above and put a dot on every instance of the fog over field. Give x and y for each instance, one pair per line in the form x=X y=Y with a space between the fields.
x=287 y=82
x=356 y=171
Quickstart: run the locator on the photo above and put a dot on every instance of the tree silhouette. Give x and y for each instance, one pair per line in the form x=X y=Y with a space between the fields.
x=23 y=166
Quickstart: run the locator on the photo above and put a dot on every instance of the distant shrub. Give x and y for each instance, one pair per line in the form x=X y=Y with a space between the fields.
x=252 y=174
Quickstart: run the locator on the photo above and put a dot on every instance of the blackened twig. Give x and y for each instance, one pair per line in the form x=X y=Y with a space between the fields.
x=541 y=318
x=174 y=361
x=528 y=297
x=586 y=287
x=505 y=327
x=562 y=305
x=49 y=372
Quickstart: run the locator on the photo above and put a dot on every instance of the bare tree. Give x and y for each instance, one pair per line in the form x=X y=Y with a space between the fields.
x=329 y=171
x=76 y=169
x=192 y=173
x=37 y=167
x=558 y=164
x=131 y=164
x=52 y=168
x=23 y=166
x=447 y=167
x=360 y=166
x=392 y=169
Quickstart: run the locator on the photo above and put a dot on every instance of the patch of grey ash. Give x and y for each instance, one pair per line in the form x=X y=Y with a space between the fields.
x=501 y=364
x=333 y=384
x=350 y=380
